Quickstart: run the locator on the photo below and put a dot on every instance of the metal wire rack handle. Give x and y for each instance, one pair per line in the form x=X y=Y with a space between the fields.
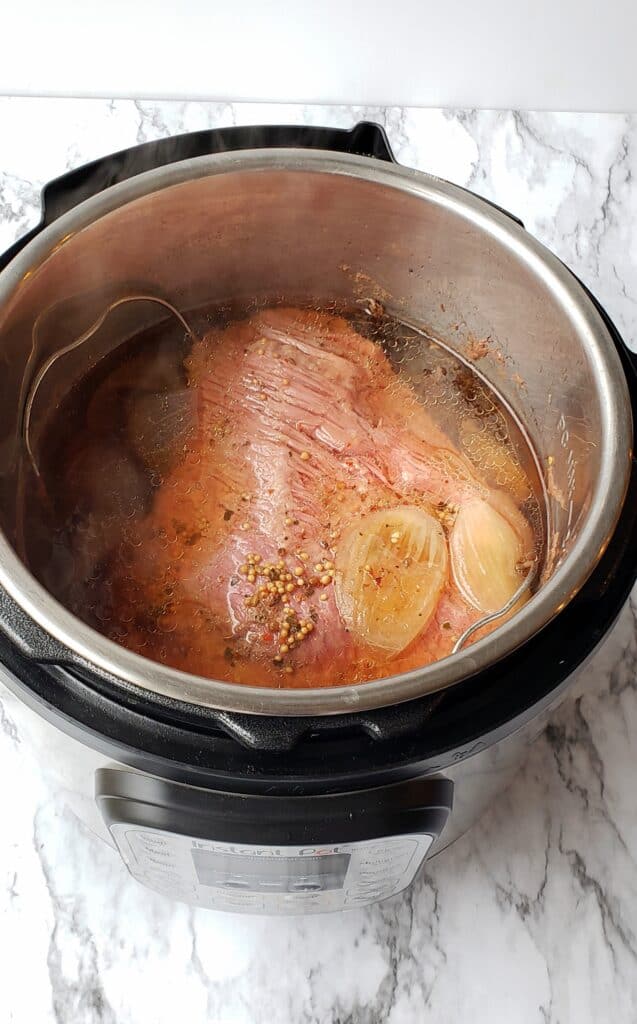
x=461 y=641
x=85 y=336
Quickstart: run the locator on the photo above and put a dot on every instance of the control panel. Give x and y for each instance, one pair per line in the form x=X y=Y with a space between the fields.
x=270 y=879
x=270 y=853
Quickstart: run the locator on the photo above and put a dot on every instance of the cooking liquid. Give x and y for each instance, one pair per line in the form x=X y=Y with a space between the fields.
x=121 y=443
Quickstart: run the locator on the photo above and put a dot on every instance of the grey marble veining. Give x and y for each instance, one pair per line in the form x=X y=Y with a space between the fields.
x=532 y=917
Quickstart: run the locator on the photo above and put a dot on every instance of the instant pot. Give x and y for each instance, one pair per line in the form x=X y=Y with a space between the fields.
x=289 y=800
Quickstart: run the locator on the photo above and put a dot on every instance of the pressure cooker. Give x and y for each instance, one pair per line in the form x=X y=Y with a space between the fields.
x=248 y=798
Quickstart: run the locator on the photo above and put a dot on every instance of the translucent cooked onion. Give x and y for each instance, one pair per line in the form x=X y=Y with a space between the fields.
x=485 y=550
x=391 y=568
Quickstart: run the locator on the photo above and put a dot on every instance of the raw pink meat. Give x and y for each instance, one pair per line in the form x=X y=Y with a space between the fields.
x=300 y=424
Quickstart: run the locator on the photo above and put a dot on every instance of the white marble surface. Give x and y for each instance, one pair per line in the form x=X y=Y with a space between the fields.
x=532 y=917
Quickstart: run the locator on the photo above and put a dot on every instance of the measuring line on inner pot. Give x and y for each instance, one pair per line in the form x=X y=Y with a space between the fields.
x=289 y=800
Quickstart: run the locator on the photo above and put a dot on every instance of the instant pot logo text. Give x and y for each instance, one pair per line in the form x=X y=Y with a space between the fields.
x=266 y=851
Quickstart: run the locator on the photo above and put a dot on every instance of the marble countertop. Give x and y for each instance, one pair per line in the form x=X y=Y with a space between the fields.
x=531 y=917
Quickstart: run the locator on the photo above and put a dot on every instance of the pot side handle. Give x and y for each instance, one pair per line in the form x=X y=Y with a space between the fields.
x=62 y=194
x=65 y=192
x=366 y=139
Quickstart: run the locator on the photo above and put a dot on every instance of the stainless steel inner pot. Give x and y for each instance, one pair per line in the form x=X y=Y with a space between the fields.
x=318 y=226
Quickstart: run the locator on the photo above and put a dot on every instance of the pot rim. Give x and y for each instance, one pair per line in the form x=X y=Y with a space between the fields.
x=89 y=646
